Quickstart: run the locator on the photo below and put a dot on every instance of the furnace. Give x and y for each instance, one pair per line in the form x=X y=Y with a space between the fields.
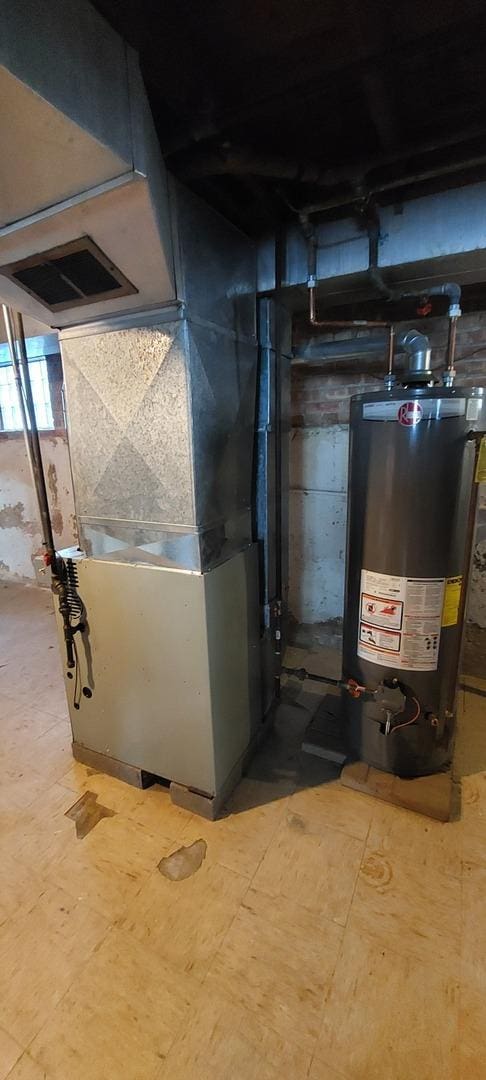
x=161 y=627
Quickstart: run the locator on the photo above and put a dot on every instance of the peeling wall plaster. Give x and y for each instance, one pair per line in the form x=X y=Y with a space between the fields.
x=20 y=535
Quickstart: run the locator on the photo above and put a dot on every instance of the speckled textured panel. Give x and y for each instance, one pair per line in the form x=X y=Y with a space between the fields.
x=129 y=427
x=120 y=366
x=94 y=434
x=159 y=431
x=162 y=433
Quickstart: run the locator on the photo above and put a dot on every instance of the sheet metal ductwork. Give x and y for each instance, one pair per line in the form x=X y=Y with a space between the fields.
x=171 y=397
x=160 y=370
x=80 y=156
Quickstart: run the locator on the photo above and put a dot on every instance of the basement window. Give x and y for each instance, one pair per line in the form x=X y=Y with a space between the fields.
x=69 y=276
x=10 y=415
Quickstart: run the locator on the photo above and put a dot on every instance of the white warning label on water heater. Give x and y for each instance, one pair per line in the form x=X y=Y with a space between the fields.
x=400 y=621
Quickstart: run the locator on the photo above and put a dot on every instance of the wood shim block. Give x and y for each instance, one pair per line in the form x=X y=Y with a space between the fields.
x=429 y=795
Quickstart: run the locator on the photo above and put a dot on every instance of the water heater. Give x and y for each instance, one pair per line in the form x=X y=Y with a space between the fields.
x=412 y=462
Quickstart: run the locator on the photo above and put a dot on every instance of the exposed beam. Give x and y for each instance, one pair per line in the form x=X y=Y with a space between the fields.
x=427 y=241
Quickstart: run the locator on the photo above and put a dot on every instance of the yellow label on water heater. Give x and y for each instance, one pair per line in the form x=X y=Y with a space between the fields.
x=452 y=599
x=480 y=476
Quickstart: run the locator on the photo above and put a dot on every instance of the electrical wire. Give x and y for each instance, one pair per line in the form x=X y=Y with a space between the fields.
x=77 y=678
x=406 y=723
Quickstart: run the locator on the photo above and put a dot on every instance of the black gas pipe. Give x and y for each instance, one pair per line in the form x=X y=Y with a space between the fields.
x=355 y=689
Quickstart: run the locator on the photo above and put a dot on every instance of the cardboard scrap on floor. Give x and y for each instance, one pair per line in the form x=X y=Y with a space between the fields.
x=430 y=795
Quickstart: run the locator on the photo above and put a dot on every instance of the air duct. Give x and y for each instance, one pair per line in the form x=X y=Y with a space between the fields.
x=415 y=344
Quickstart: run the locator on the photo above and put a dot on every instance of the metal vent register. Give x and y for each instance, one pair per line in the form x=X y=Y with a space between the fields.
x=70 y=275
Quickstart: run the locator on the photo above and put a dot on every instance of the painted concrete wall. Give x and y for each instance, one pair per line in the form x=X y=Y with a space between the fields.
x=318 y=487
x=20 y=535
x=318 y=480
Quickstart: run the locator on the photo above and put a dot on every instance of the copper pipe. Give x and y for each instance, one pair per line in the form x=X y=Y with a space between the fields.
x=339 y=324
x=451 y=343
x=391 y=353
x=28 y=415
x=343 y=324
x=312 y=306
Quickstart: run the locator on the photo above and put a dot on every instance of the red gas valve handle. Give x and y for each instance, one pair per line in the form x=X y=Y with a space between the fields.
x=354 y=688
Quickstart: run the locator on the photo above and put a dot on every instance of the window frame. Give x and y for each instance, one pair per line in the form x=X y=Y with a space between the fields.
x=42 y=347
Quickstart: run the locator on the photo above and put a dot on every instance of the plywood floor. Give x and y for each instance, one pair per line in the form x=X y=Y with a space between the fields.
x=325 y=935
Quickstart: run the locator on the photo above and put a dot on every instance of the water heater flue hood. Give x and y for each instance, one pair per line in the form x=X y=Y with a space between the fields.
x=81 y=175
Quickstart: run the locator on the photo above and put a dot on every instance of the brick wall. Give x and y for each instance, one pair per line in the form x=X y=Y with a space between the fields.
x=319 y=443
x=320 y=395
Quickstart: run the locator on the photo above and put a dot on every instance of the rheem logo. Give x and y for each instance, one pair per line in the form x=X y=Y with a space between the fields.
x=410 y=413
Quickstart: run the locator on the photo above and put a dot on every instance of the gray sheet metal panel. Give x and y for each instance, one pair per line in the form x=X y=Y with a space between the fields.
x=170 y=659
x=231 y=595
x=66 y=52
x=148 y=670
x=222 y=385
x=147 y=158
x=409 y=495
x=215 y=265
x=178 y=546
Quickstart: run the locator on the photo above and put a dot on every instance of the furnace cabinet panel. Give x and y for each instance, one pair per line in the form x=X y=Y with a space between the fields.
x=171 y=658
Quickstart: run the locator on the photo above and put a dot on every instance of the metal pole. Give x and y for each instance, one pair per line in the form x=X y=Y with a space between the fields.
x=16 y=341
x=18 y=384
x=24 y=388
x=279 y=273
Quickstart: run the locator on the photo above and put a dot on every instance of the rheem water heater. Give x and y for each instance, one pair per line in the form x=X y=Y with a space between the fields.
x=412 y=455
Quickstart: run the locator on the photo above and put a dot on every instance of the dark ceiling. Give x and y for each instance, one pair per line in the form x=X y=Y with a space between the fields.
x=267 y=106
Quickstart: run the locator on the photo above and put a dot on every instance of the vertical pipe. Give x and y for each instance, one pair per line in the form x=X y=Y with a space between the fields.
x=16 y=341
x=7 y=319
x=390 y=373
x=36 y=456
x=312 y=304
x=279 y=272
x=450 y=370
